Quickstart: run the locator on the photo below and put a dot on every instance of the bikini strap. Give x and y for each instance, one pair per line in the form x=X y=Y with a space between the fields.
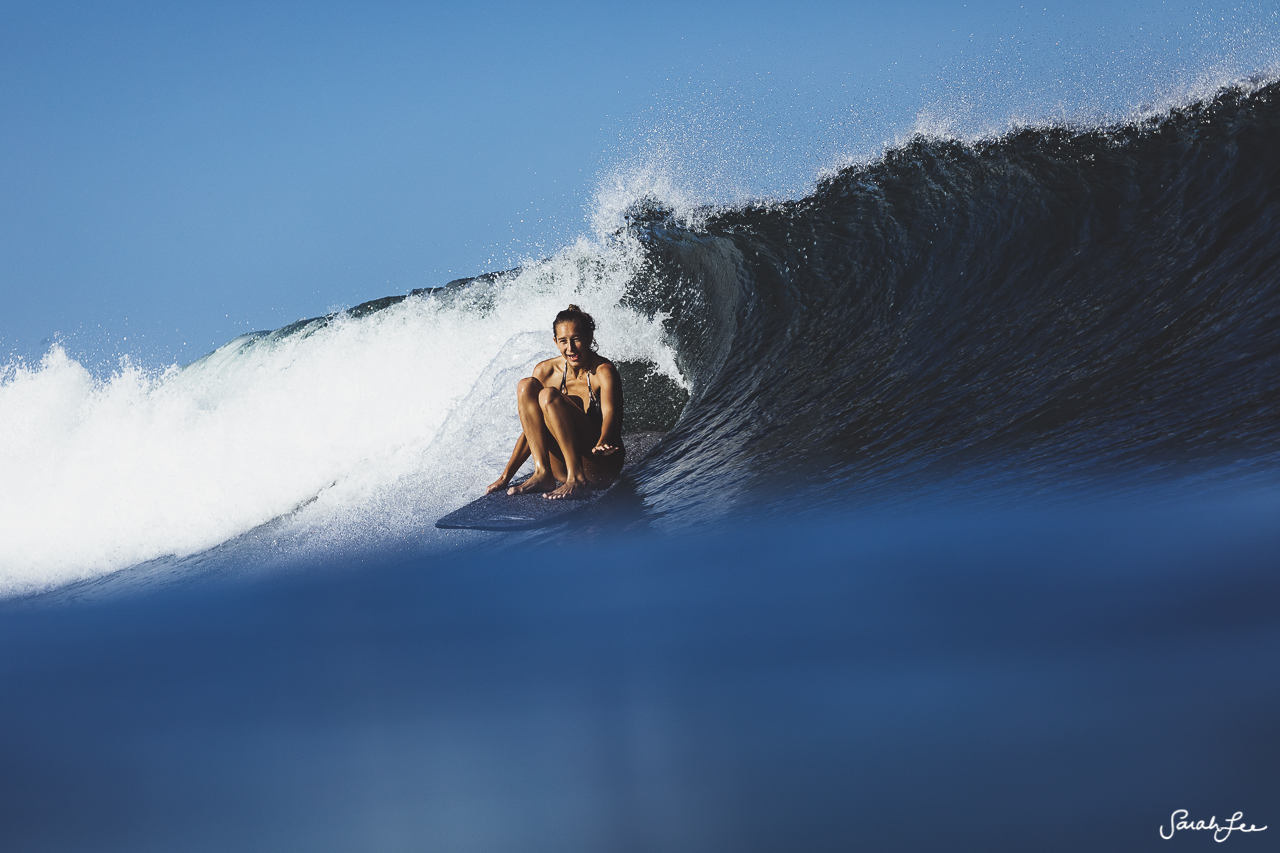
x=564 y=382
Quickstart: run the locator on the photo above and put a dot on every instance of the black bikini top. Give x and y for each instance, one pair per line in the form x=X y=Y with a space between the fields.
x=593 y=402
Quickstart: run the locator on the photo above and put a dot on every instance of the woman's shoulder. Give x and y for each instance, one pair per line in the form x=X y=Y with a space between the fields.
x=545 y=368
x=605 y=367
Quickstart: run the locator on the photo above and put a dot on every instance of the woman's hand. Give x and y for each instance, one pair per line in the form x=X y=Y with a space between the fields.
x=603 y=449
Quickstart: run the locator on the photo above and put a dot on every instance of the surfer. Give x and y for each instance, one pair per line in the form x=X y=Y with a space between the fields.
x=571 y=413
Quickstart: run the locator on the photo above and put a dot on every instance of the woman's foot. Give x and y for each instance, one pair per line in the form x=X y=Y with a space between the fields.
x=569 y=489
x=541 y=481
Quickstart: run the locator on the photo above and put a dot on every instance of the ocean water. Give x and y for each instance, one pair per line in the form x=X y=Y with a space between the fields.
x=963 y=534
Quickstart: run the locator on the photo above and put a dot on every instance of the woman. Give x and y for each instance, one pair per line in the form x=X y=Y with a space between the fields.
x=571 y=412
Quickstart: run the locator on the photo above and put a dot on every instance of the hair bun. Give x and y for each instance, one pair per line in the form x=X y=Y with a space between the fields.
x=574 y=314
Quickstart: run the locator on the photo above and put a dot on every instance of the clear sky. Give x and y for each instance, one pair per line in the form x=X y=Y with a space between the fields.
x=172 y=175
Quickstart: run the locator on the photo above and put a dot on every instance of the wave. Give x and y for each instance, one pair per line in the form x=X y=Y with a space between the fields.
x=1055 y=306
x=1050 y=308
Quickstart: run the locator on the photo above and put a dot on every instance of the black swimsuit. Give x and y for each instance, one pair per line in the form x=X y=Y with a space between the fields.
x=596 y=414
x=593 y=405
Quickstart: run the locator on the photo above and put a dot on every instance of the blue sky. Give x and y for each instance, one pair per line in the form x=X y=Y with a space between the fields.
x=172 y=175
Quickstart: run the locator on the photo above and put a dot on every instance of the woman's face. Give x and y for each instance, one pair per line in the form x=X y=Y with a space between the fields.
x=573 y=340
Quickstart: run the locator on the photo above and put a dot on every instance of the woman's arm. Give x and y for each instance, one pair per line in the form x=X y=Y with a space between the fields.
x=611 y=409
x=518 y=456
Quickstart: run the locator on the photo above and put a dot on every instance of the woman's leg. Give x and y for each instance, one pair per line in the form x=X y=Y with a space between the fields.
x=567 y=424
x=535 y=432
x=560 y=437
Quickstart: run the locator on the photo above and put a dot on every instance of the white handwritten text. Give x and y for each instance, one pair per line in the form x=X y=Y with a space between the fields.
x=1178 y=820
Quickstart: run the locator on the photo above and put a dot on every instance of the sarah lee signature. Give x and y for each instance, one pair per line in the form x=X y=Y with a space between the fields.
x=1221 y=832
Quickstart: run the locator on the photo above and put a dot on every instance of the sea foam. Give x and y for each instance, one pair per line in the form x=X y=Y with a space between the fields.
x=380 y=422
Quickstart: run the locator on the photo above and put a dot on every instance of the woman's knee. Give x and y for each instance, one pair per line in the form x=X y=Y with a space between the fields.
x=548 y=396
x=528 y=387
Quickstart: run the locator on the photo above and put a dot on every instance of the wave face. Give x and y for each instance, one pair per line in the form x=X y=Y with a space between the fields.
x=1049 y=309
x=1053 y=309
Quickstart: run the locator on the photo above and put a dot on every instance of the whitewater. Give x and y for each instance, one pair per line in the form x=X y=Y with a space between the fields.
x=351 y=428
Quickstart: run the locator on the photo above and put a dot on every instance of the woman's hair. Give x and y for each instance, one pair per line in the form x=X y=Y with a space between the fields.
x=574 y=313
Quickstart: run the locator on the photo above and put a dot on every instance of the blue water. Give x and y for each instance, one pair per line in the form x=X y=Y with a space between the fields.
x=1057 y=680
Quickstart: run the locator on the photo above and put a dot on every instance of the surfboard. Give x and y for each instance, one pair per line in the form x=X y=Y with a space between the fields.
x=500 y=511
